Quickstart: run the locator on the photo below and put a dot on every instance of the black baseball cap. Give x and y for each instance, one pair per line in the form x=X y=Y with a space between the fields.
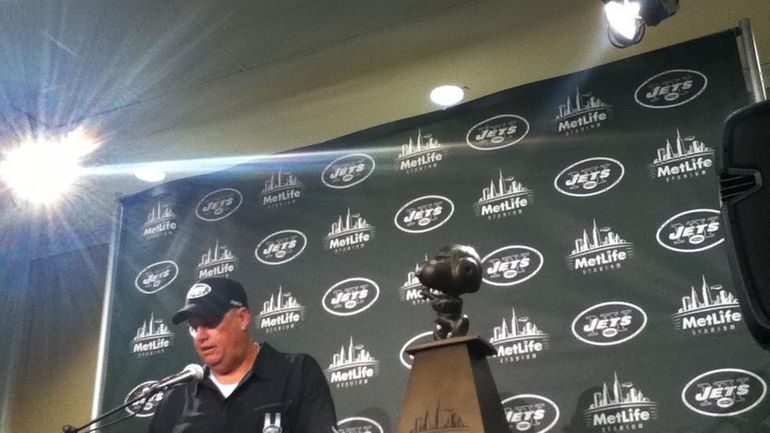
x=211 y=297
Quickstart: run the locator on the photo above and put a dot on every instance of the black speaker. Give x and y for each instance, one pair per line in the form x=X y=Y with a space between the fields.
x=746 y=212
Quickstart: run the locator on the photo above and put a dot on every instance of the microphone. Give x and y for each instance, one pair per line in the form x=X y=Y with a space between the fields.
x=188 y=374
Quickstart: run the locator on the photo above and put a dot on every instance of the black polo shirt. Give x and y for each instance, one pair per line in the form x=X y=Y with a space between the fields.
x=282 y=393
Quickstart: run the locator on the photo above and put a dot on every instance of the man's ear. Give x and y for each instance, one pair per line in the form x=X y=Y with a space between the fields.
x=245 y=315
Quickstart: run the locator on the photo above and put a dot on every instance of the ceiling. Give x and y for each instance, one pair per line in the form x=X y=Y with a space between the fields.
x=183 y=80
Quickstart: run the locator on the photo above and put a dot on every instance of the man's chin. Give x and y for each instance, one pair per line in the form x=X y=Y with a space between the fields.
x=210 y=360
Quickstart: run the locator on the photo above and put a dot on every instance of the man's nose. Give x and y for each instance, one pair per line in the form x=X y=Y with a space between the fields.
x=201 y=333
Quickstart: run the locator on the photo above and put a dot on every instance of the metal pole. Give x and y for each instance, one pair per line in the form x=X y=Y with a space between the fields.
x=749 y=48
x=109 y=288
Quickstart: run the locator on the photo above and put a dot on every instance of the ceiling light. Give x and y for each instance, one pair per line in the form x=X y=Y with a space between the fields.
x=42 y=170
x=627 y=20
x=148 y=173
x=447 y=95
x=625 y=24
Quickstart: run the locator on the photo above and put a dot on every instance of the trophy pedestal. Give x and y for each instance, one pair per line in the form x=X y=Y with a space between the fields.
x=451 y=389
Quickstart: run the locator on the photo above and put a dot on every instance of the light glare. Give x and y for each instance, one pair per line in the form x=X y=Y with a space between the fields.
x=150 y=174
x=623 y=17
x=42 y=171
x=447 y=95
x=79 y=141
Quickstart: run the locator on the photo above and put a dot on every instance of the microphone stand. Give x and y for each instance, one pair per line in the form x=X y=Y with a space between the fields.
x=191 y=372
x=151 y=392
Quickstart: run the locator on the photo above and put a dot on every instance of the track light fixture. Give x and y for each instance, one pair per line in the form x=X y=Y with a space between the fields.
x=627 y=20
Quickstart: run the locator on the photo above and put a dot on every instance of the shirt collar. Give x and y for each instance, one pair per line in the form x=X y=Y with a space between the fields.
x=266 y=362
x=262 y=367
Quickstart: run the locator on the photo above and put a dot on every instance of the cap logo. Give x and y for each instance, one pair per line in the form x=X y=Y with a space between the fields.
x=198 y=290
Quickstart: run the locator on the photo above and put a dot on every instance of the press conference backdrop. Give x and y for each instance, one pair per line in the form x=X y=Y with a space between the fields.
x=592 y=199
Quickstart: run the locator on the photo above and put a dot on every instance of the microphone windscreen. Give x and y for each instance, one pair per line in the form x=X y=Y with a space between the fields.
x=196 y=370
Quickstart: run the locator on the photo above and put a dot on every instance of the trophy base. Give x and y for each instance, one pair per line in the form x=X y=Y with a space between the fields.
x=451 y=389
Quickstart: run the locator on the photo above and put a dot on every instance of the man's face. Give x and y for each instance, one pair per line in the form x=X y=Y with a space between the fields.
x=221 y=345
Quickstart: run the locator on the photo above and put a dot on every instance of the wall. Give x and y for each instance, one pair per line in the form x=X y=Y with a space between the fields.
x=55 y=322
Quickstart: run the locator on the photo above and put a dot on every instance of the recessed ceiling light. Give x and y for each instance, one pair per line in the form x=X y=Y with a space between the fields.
x=447 y=95
x=148 y=173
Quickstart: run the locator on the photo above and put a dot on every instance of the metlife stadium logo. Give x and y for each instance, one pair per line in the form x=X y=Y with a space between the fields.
x=348 y=170
x=349 y=232
x=724 y=392
x=518 y=339
x=530 y=413
x=156 y=277
x=582 y=112
x=352 y=365
x=497 y=132
x=671 y=89
x=282 y=188
x=420 y=153
x=152 y=338
x=217 y=261
x=709 y=310
x=620 y=406
x=691 y=231
x=281 y=312
x=589 y=177
x=161 y=221
x=503 y=198
x=218 y=205
x=685 y=158
x=280 y=247
x=599 y=250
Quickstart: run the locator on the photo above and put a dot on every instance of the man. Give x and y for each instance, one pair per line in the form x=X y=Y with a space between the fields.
x=247 y=387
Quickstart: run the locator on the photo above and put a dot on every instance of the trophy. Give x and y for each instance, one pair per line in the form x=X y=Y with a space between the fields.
x=455 y=271
x=450 y=378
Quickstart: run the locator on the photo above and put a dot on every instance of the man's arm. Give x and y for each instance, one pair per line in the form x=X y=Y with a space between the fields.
x=163 y=418
x=155 y=421
x=316 y=408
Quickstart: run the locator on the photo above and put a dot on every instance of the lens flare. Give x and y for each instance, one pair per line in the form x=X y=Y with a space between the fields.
x=43 y=170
